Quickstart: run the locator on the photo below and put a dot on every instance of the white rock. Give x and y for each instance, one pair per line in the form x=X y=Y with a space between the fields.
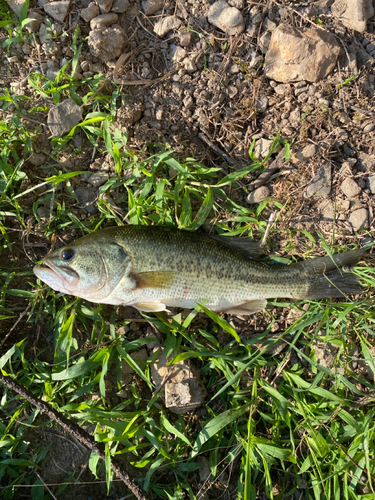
x=167 y=24
x=228 y=19
x=57 y=10
x=63 y=117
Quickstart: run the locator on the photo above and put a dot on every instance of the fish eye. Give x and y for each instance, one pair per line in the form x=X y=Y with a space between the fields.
x=67 y=254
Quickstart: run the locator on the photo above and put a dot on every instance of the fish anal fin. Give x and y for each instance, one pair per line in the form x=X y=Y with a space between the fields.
x=150 y=306
x=153 y=279
x=249 y=307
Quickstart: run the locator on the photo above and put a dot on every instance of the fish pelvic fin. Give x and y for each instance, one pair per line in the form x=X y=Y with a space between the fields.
x=332 y=278
x=150 y=306
x=249 y=307
x=153 y=279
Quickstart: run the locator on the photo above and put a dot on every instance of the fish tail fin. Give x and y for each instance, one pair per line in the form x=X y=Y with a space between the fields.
x=331 y=277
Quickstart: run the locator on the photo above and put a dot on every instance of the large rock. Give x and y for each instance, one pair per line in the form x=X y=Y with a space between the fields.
x=228 y=19
x=183 y=390
x=296 y=54
x=108 y=43
x=353 y=13
x=63 y=117
x=57 y=10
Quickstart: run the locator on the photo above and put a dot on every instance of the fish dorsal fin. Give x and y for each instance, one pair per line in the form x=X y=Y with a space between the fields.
x=249 y=248
x=249 y=307
x=153 y=279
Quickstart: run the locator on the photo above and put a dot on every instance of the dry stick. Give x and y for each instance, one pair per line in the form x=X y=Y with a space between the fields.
x=75 y=430
x=221 y=153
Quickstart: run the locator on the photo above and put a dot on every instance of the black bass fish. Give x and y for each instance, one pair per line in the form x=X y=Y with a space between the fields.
x=153 y=268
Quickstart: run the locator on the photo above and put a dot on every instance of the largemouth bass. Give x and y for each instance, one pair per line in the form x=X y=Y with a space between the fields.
x=153 y=268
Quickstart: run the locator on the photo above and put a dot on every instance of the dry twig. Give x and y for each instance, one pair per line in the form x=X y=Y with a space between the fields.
x=75 y=430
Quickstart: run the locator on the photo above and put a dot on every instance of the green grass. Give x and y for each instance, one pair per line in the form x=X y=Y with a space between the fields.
x=276 y=422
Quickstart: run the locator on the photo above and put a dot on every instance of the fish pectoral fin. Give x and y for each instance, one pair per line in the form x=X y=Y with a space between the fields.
x=249 y=307
x=150 y=306
x=153 y=279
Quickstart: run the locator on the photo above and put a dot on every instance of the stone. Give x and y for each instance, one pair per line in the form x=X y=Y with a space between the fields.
x=34 y=25
x=103 y=21
x=321 y=183
x=96 y=180
x=108 y=43
x=259 y=195
x=366 y=162
x=262 y=104
x=167 y=24
x=295 y=54
x=350 y=188
x=353 y=14
x=183 y=390
x=57 y=10
x=120 y=6
x=262 y=147
x=16 y=6
x=104 y=6
x=178 y=53
x=185 y=39
x=371 y=183
x=303 y=154
x=358 y=218
x=228 y=19
x=86 y=198
x=89 y=13
x=327 y=209
x=369 y=128
x=43 y=33
x=151 y=6
x=63 y=117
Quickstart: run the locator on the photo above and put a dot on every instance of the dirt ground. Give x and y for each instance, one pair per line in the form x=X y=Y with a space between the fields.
x=204 y=94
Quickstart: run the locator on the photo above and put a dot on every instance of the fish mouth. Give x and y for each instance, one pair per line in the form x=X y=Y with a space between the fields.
x=60 y=278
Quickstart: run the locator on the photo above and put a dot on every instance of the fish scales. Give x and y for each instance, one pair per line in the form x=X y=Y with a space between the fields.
x=153 y=267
